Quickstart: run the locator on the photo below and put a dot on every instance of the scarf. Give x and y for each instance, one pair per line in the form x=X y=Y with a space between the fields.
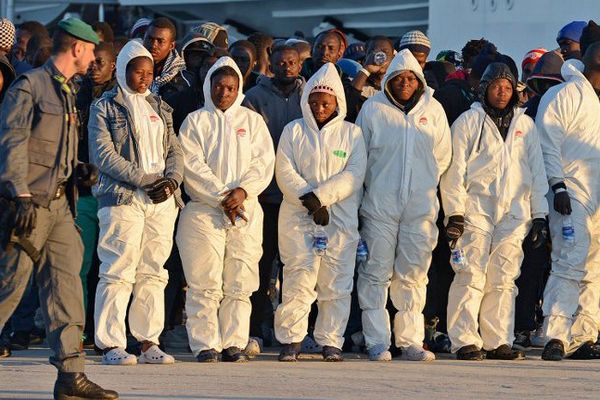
x=501 y=118
x=409 y=105
x=173 y=65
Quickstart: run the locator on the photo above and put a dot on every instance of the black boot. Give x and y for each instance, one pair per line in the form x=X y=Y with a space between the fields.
x=208 y=356
x=553 y=351
x=332 y=354
x=233 y=354
x=290 y=352
x=505 y=352
x=20 y=340
x=470 y=353
x=75 y=385
x=4 y=343
x=587 y=351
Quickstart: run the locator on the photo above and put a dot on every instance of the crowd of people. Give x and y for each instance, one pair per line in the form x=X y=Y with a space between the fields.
x=321 y=195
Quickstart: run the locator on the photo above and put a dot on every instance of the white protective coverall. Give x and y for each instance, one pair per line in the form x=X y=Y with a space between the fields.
x=498 y=186
x=136 y=239
x=222 y=151
x=407 y=153
x=569 y=125
x=330 y=162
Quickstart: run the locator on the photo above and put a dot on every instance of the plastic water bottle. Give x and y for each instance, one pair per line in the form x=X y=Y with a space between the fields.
x=320 y=240
x=239 y=221
x=362 y=251
x=457 y=259
x=568 y=230
x=274 y=286
x=379 y=58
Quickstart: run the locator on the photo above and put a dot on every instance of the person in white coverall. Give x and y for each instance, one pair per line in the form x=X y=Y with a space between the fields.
x=569 y=124
x=229 y=161
x=320 y=168
x=494 y=187
x=141 y=166
x=408 y=145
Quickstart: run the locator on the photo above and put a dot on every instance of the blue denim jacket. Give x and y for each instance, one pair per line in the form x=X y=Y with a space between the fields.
x=114 y=148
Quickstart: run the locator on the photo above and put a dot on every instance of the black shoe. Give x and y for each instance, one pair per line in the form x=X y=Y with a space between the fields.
x=37 y=336
x=587 y=351
x=332 y=354
x=233 y=354
x=522 y=341
x=88 y=341
x=553 y=351
x=19 y=340
x=5 y=351
x=290 y=352
x=208 y=356
x=505 y=352
x=470 y=353
x=75 y=385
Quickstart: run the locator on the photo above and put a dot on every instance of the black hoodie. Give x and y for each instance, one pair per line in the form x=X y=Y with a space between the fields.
x=502 y=118
x=546 y=74
x=88 y=92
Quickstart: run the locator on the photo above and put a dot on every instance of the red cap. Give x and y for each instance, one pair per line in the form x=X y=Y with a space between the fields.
x=532 y=57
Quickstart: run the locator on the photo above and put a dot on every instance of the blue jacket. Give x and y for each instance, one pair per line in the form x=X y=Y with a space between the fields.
x=114 y=148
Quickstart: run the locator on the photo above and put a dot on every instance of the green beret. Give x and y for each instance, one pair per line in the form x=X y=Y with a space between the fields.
x=79 y=29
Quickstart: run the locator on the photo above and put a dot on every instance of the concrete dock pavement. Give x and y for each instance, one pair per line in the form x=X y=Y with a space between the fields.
x=27 y=375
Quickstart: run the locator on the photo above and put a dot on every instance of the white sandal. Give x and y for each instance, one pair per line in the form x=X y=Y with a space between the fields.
x=154 y=355
x=254 y=347
x=118 y=356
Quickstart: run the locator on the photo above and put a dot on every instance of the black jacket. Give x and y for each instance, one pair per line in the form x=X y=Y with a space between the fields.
x=88 y=92
x=456 y=97
x=277 y=110
x=184 y=102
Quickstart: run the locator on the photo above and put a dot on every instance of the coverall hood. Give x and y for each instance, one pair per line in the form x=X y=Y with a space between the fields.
x=222 y=62
x=572 y=70
x=327 y=76
x=403 y=61
x=131 y=50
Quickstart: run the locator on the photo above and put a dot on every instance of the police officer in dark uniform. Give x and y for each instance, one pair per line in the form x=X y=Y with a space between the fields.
x=38 y=176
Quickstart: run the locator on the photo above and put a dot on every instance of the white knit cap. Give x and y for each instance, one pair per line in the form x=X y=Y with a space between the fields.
x=416 y=41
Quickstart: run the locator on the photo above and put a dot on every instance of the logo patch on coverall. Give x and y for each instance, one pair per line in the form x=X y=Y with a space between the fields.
x=339 y=153
x=519 y=133
x=423 y=120
x=241 y=132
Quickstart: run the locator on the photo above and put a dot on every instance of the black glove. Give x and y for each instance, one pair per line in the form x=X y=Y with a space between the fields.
x=87 y=174
x=562 y=201
x=25 y=217
x=538 y=232
x=311 y=202
x=321 y=216
x=455 y=228
x=161 y=189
